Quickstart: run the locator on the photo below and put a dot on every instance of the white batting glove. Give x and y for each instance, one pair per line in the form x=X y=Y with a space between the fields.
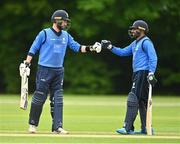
x=96 y=47
x=24 y=69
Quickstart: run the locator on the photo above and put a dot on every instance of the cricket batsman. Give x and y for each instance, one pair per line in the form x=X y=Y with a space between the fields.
x=51 y=43
x=144 y=64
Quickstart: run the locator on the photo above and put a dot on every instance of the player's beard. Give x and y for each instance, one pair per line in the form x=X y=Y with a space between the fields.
x=134 y=35
x=137 y=34
x=59 y=26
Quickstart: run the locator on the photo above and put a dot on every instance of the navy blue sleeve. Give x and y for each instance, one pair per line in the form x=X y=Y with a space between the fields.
x=75 y=46
x=37 y=43
x=152 y=57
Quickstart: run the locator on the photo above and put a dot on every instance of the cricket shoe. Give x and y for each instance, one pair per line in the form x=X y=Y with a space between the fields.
x=32 y=129
x=143 y=132
x=124 y=131
x=60 y=131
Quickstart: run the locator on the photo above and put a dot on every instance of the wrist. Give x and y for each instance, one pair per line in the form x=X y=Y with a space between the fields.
x=26 y=61
x=150 y=73
x=85 y=49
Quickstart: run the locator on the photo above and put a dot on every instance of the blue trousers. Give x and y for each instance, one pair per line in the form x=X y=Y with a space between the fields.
x=48 y=80
x=137 y=100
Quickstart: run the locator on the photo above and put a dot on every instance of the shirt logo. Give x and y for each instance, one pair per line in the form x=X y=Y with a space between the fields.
x=63 y=40
x=135 y=51
x=136 y=48
x=133 y=86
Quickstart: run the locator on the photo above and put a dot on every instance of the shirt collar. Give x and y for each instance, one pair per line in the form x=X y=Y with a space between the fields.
x=140 y=39
x=57 y=33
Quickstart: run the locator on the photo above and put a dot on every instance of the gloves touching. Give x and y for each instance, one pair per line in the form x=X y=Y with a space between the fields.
x=97 y=47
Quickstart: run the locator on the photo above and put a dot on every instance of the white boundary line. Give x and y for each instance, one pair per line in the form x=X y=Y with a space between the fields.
x=82 y=143
x=86 y=136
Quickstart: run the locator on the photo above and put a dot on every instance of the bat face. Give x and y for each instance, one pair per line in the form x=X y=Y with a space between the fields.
x=149 y=112
x=24 y=92
x=150 y=102
x=24 y=73
x=24 y=98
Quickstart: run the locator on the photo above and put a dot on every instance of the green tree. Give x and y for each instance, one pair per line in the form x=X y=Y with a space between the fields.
x=92 y=21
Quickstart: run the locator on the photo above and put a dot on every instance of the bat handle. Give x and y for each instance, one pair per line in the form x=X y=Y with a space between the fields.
x=150 y=92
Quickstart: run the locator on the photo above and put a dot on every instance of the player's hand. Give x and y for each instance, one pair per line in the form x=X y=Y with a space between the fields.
x=106 y=44
x=151 y=79
x=27 y=64
x=96 y=47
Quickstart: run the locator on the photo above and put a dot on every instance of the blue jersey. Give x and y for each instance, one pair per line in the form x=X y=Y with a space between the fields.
x=144 y=54
x=52 y=47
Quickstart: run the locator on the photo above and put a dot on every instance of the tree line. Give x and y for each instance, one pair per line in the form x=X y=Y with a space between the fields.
x=92 y=21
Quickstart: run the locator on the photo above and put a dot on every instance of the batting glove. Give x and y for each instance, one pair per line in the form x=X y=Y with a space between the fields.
x=27 y=64
x=24 y=68
x=96 y=47
x=151 y=79
x=106 y=44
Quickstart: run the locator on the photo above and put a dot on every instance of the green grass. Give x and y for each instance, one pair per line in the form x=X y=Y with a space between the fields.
x=90 y=119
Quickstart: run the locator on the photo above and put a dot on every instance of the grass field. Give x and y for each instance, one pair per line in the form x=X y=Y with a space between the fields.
x=89 y=119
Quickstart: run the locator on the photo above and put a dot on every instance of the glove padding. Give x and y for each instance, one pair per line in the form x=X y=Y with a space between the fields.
x=27 y=64
x=24 y=68
x=105 y=44
x=96 y=47
x=151 y=79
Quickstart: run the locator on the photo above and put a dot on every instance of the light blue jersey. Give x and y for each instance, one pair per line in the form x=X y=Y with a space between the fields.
x=52 y=47
x=144 y=54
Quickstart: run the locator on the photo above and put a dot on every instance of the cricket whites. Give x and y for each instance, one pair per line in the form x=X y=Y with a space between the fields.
x=24 y=73
x=149 y=112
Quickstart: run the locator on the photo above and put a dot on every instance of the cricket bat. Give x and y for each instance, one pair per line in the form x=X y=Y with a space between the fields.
x=149 y=112
x=24 y=73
